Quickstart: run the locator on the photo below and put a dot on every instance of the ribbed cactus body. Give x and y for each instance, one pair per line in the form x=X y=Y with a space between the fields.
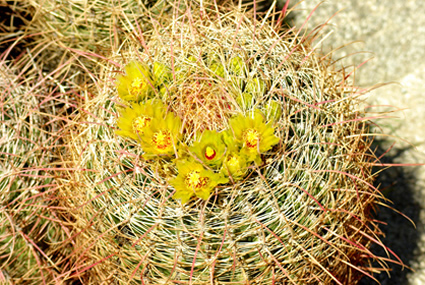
x=29 y=225
x=299 y=213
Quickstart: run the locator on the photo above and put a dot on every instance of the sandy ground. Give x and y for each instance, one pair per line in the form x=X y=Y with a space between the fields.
x=392 y=34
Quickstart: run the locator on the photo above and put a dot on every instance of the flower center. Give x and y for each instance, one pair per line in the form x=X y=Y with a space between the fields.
x=195 y=181
x=210 y=153
x=137 y=86
x=139 y=123
x=162 y=139
x=251 y=138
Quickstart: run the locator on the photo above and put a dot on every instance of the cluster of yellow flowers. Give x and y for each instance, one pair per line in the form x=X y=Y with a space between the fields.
x=214 y=158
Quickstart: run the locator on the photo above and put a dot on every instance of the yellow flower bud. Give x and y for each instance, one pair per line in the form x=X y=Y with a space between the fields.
x=273 y=110
x=161 y=73
x=237 y=65
x=255 y=86
x=218 y=69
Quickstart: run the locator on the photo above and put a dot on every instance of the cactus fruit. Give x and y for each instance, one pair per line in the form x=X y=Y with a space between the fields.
x=228 y=152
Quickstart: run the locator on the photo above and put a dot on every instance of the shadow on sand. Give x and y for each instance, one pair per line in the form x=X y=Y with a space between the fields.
x=401 y=236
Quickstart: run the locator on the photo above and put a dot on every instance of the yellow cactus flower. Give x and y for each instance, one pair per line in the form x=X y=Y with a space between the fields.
x=235 y=165
x=254 y=135
x=210 y=148
x=162 y=135
x=135 y=85
x=194 y=180
x=133 y=120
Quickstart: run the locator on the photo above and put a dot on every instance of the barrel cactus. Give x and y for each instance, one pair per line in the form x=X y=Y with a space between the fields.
x=91 y=26
x=226 y=150
x=31 y=234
